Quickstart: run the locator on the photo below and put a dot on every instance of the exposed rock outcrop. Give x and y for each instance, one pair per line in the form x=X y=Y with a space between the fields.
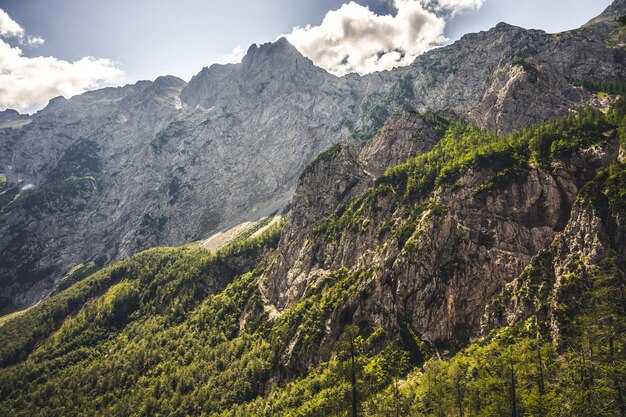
x=591 y=247
x=448 y=256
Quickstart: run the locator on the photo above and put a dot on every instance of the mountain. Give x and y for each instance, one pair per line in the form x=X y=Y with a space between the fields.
x=106 y=174
x=458 y=248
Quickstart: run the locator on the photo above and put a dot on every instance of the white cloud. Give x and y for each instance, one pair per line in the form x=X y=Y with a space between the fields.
x=34 y=41
x=9 y=27
x=235 y=56
x=355 y=39
x=28 y=83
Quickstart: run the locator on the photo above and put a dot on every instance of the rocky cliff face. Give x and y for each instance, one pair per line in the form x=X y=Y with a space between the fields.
x=509 y=77
x=105 y=174
x=436 y=263
x=333 y=180
x=588 y=251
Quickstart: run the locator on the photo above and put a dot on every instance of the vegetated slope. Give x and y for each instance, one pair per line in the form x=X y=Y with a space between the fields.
x=544 y=258
x=106 y=174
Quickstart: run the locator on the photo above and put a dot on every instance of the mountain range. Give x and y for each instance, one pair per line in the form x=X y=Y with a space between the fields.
x=108 y=173
x=445 y=238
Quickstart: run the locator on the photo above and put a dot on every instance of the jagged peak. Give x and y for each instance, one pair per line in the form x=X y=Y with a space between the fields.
x=54 y=103
x=10 y=112
x=255 y=56
x=277 y=53
x=496 y=31
x=504 y=25
x=281 y=45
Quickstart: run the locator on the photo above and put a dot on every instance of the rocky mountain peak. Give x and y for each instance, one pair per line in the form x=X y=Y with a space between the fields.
x=276 y=57
x=278 y=64
x=12 y=118
x=503 y=26
x=271 y=51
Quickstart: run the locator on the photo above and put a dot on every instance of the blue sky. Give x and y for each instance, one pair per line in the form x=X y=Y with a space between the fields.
x=142 y=39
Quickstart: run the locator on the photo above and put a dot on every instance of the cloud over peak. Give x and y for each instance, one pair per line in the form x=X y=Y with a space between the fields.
x=356 y=39
x=28 y=83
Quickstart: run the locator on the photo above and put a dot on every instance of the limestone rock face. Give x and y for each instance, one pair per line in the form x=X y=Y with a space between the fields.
x=460 y=252
x=508 y=77
x=105 y=174
x=328 y=184
x=591 y=245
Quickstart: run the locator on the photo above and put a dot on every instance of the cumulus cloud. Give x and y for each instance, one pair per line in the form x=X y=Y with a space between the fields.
x=28 y=83
x=235 y=56
x=356 y=39
x=9 y=28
